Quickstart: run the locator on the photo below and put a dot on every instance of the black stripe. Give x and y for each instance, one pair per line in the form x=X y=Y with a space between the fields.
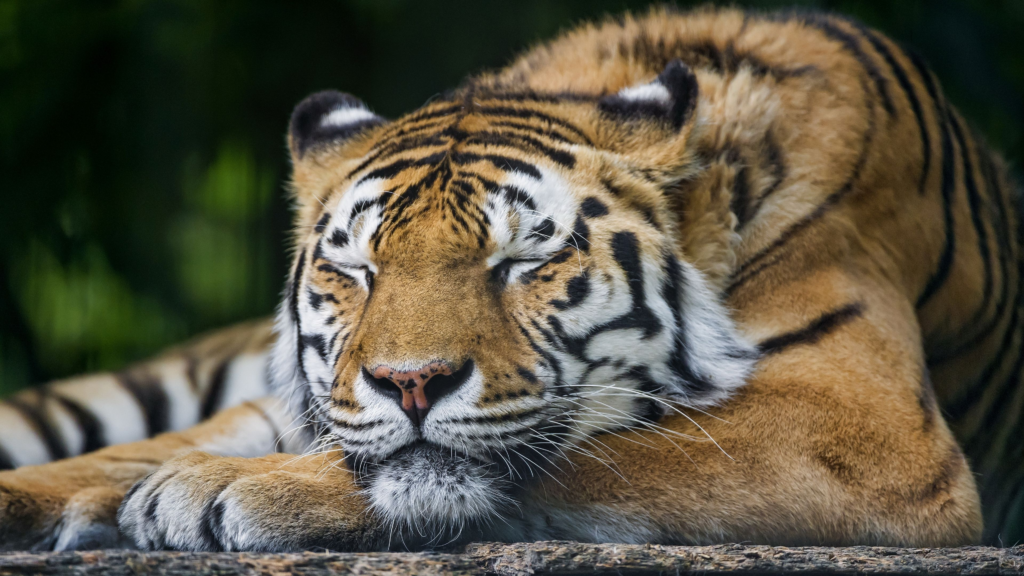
x=322 y=223
x=191 y=366
x=395 y=168
x=339 y=238
x=748 y=271
x=215 y=390
x=525 y=143
x=632 y=202
x=393 y=148
x=321 y=136
x=37 y=418
x=945 y=264
x=419 y=116
x=671 y=292
x=498 y=418
x=577 y=289
x=975 y=202
x=761 y=260
x=926 y=76
x=581 y=234
x=88 y=423
x=852 y=44
x=318 y=343
x=358 y=426
x=814 y=331
x=295 y=286
x=626 y=252
x=915 y=103
x=777 y=166
x=958 y=408
x=500 y=162
x=515 y=195
x=1006 y=254
x=533 y=130
x=548 y=358
x=488 y=185
x=526 y=374
x=270 y=423
x=151 y=398
x=537 y=115
x=993 y=421
x=400 y=201
x=593 y=208
x=740 y=202
x=5 y=460
x=948 y=170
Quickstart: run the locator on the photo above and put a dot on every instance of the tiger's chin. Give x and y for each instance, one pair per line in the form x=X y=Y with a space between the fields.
x=430 y=496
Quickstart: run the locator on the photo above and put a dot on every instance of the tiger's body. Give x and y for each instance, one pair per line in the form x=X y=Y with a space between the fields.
x=697 y=277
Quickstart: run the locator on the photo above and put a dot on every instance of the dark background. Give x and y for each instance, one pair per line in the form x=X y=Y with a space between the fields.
x=142 y=154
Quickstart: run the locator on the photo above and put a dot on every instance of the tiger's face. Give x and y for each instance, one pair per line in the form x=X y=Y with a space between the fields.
x=486 y=284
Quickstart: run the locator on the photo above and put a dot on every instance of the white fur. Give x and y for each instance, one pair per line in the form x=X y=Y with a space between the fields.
x=182 y=399
x=346 y=116
x=655 y=91
x=710 y=336
x=67 y=427
x=433 y=495
x=246 y=380
x=122 y=417
x=511 y=225
x=20 y=440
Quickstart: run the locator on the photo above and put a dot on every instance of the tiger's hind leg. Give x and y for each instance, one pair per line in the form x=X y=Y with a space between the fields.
x=72 y=504
x=173 y=391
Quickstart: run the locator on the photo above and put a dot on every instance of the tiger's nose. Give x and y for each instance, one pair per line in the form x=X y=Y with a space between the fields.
x=418 y=390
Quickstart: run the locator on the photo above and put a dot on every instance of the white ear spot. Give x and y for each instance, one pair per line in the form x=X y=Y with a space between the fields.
x=328 y=118
x=345 y=116
x=654 y=91
x=669 y=97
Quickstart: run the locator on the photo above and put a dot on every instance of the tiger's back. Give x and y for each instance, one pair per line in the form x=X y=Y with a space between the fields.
x=816 y=141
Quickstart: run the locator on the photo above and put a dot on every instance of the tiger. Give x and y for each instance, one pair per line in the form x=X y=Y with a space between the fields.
x=680 y=277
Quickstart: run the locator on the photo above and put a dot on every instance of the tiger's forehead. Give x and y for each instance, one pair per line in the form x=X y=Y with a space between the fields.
x=472 y=176
x=504 y=124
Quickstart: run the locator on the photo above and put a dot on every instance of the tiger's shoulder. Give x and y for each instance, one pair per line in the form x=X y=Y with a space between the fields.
x=793 y=106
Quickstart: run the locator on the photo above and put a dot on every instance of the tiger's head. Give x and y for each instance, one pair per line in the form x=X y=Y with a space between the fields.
x=484 y=284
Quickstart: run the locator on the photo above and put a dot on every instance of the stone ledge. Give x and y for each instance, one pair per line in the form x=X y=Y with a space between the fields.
x=537 y=558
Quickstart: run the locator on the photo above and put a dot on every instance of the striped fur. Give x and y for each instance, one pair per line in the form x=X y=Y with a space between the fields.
x=596 y=243
x=179 y=389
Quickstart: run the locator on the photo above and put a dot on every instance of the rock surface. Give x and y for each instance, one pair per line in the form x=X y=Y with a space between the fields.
x=537 y=558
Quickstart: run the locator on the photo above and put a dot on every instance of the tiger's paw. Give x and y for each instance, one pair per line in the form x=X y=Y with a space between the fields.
x=277 y=503
x=43 y=508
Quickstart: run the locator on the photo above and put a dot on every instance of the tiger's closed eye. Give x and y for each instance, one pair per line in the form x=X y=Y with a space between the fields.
x=510 y=268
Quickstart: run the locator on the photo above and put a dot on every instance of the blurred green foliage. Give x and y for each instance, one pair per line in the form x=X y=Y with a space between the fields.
x=142 y=156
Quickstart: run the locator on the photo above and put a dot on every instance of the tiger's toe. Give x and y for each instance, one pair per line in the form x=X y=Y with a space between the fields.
x=89 y=521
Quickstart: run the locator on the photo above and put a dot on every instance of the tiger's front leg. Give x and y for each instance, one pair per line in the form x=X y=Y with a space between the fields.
x=73 y=503
x=279 y=502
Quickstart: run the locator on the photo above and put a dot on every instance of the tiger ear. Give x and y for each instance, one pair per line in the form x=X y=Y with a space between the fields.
x=328 y=117
x=671 y=98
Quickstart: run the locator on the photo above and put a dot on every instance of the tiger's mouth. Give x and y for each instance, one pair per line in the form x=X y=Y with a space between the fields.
x=435 y=494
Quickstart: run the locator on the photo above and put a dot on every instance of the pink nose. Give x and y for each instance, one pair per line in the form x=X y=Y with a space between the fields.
x=413 y=385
